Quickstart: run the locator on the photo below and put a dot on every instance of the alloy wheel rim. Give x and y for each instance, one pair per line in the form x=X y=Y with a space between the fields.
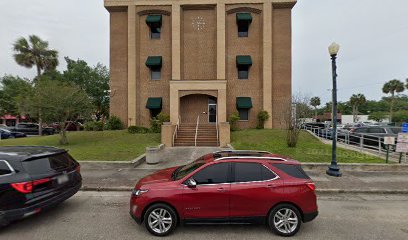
x=160 y=220
x=285 y=220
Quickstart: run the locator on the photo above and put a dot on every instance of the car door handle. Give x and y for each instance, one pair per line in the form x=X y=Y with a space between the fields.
x=221 y=190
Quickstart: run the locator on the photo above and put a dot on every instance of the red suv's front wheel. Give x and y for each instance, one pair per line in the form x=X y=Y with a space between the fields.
x=160 y=219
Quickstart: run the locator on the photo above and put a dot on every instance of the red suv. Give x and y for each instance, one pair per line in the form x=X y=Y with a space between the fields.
x=227 y=187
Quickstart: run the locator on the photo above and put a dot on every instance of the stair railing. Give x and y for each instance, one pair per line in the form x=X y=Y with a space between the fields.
x=216 y=125
x=196 y=133
x=176 y=129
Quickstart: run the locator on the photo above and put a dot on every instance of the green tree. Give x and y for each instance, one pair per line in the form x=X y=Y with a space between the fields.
x=93 y=80
x=315 y=102
x=54 y=101
x=357 y=100
x=11 y=87
x=377 y=116
x=392 y=87
x=35 y=52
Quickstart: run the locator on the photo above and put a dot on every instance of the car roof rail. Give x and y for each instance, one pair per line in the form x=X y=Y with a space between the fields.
x=230 y=153
x=251 y=158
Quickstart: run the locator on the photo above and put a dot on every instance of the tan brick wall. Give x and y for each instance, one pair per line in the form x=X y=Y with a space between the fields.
x=281 y=61
x=153 y=47
x=198 y=46
x=118 y=64
x=251 y=45
x=192 y=106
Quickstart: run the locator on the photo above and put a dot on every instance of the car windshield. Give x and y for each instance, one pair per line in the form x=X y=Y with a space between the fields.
x=183 y=171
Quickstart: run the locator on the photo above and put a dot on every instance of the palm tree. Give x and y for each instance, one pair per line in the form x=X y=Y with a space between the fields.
x=34 y=51
x=315 y=102
x=357 y=100
x=392 y=87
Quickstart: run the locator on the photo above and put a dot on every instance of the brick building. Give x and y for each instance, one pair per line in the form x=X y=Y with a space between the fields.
x=200 y=61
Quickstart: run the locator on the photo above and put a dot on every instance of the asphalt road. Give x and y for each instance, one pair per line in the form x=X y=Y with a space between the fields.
x=104 y=215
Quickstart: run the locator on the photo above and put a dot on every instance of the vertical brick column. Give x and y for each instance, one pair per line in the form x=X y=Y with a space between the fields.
x=267 y=61
x=176 y=41
x=132 y=65
x=221 y=41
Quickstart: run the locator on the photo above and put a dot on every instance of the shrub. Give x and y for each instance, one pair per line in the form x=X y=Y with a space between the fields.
x=137 y=129
x=233 y=120
x=114 y=123
x=93 y=126
x=156 y=122
x=262 y=116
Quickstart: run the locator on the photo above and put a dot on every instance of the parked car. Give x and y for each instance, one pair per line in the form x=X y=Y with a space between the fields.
x=227 y=187
x=4 y=134
x=373 y=135
x=69 y=125
x=11 y=134
x=32 y=129
x=33 y=179
x=4 y=126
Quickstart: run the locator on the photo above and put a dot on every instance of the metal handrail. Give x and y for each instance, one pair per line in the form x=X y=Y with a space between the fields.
x=196 y=133
x=175 y=130
x=216 y=125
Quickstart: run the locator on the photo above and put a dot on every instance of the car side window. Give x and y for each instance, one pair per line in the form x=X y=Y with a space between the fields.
x=213 y=174
x=361 y=130
x=376 y=130
x=251 y=172
x=4 y=168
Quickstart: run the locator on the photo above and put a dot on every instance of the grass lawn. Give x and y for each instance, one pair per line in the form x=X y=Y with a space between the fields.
x=102 y=146
x=309 y=149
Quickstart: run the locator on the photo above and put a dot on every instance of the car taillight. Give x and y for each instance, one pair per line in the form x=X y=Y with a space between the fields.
x=311 y=186
x=27 y=187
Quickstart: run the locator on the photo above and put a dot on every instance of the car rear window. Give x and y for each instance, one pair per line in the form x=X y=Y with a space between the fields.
x=5 y=168
x=292 y=170
x=396 y=130
x=53 y=163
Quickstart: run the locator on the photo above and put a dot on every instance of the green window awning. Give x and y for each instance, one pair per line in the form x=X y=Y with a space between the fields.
x=154 y=62
x=244 y=60
x=155 y=20
x=244 y=102
x=244 y=18
x=154 y=103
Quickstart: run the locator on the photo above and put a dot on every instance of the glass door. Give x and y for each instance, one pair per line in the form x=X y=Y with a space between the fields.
x=212 y=110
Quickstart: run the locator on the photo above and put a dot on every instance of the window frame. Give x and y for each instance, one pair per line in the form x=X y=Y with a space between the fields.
x=243 y=70
x=233 y=166
x=154 y=111
x=245 y=33
x=12 y=171
x=156 y=71
x=239 y=113
x=229 y=174
x=154 y=35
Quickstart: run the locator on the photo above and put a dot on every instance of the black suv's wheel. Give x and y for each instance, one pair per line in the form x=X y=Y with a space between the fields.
x=284 y=220
x=160 y=220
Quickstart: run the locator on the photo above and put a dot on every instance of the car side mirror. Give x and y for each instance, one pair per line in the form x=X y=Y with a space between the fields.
x=191 y=183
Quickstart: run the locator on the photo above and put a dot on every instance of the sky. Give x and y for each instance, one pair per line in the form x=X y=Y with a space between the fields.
x=373 y=35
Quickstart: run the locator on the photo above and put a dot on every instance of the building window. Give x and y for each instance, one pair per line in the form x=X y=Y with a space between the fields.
x=243 y=22
x=154 y=104
x=154 y=112
x=155 y=23
x=155 y=73
x=243 y=106
x=244 y=62
x=243 y=114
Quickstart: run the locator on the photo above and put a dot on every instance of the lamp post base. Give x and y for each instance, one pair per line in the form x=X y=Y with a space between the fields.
x=333 y=171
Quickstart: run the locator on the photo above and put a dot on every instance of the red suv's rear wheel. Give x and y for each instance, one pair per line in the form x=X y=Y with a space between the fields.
x=160 y=219
x=284 y=220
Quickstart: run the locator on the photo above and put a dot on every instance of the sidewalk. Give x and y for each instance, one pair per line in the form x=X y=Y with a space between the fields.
x=355 y=179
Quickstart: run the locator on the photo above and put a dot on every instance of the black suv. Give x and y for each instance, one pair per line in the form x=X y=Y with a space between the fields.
x=373 y=135
x=33 y=179
x=32 y=129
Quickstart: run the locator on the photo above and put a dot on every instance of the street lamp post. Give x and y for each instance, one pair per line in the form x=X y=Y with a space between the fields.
x=333 y=169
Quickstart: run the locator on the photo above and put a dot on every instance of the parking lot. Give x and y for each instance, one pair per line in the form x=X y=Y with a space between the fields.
x=104 y=215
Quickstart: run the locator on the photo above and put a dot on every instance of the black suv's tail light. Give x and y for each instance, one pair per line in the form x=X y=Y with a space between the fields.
x=27 y=187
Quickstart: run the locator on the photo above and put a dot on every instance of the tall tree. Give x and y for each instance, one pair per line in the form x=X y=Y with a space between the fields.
x=35 y=51
x=93 y=80
x=357 y=100
x=55 y=101
x=11 y=88
x=392 y=87
x=315 y=102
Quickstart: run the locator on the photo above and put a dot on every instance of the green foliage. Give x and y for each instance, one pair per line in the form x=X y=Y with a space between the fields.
x=93 y=80
x=400 y=116
x=137 y=129
x=11 y=89
x=93 y=126
x=233 y=120
x=155 y=123
x=262 y=116
x=114 y=123
x=315 y=101
x=34 y=52
x=377 y=116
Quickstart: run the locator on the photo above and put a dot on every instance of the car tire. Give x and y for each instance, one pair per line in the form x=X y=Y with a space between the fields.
x=284 y=220
x=160 y=219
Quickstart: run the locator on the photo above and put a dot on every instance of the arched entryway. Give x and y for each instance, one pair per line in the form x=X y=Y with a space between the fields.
x=198 y=106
